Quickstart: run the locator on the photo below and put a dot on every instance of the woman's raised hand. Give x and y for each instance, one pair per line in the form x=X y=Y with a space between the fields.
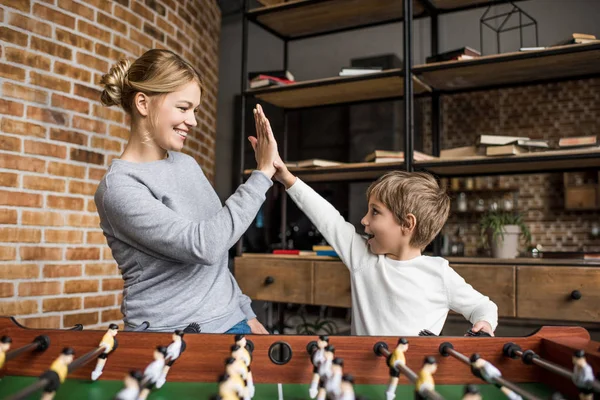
x=264 y=144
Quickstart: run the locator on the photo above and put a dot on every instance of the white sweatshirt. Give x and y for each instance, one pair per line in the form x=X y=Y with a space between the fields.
x=389 y=297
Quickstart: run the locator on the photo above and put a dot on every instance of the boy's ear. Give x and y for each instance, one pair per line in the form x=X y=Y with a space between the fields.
x=411 y=222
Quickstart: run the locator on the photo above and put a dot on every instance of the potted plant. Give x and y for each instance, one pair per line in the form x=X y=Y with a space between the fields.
x=501 y=230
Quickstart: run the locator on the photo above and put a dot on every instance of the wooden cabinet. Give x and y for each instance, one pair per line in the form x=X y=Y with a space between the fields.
x=563 y=293
x=495 y=281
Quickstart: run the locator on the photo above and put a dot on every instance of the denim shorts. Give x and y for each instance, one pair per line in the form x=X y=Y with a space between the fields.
x=241 y=327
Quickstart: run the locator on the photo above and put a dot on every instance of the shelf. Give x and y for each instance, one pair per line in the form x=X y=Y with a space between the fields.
x=548 y=161
x=346 y=172
x=339 y=90
x=299 y=19
x=562 y=62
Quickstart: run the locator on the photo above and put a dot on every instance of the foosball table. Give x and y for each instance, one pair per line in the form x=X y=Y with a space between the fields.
x=538 y=366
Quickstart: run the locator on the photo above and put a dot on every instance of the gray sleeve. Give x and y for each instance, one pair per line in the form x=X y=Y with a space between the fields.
x=137 y=218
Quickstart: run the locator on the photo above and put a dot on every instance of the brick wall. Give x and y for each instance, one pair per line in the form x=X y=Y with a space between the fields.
x=547 y=111
x=56 y=142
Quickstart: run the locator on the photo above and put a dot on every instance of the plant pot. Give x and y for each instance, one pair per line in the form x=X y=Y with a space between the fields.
x=507 y=246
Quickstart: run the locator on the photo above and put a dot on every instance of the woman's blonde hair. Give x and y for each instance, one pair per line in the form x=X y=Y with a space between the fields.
x=416 y=193
x=157 y=72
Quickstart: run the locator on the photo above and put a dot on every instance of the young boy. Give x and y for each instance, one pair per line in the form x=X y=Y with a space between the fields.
x=395 y=290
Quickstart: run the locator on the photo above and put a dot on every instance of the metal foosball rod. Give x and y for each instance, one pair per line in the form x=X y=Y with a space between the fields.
x=40 y=343
x=529 y=357
x=381 y=349
x=487 y=373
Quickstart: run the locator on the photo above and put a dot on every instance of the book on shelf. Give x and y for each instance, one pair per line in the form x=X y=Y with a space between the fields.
x=505 y=150
x=380 y=156
x=266 y=80
x=313 y=162
x=499 y=139
x=577 y=38
x=464 y=53
x=277 y=73
x=354 y=71
x=579 y=141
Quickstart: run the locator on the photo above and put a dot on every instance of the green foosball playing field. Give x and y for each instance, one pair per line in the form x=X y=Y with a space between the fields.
x=105 y=390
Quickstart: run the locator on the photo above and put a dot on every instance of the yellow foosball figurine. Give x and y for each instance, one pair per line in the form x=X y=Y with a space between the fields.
x=425 y=380
x=397 y=357
x=5 y=343
x=110 y=344
x=57 y=373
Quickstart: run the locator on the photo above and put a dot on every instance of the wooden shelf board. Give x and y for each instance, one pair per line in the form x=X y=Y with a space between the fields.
x=512 y=68
x=552 y=160
x=338 y=90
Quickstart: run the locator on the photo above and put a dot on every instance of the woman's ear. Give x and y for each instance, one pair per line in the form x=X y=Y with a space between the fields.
x=141 y=103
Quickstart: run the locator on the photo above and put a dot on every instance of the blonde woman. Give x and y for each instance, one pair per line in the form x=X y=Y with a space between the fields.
x=166 y=227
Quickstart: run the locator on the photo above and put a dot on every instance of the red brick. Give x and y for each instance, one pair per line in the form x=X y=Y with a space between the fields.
x=8 y=290
x=57 y=17
x=41 y=253
x=30 y=59
x=99 y=301
x=51 y=322
x=64 y=202
x=22 y=128
x=61 y=270
x=20 y=235
x=20 y=199
x=92 y=62
x=111 y=315
x=72 y=72
x=83 y=220
x=8 y=253
x=61 y=236
x=83 y=253
x=10 y=143
x=18 y=307
x=101 y=269
x=87 y=92
x=77 y=8
x=50 y=82
x=88 y=318
x=8 y=107
x=39 y=288
x=30 y=24
x=44 y=183
x=42 y=218
x=78 y=187
x=61 y=169
x=68 y=136
x=112 y=284
x=61 y=304
x=82 y=286
x=8 y=216
x=87 y=156
x=9 y=89
x=12 y=72
x=45 y=149
x=12 y=36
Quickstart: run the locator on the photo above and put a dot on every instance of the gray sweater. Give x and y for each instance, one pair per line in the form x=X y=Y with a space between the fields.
x=170 y=236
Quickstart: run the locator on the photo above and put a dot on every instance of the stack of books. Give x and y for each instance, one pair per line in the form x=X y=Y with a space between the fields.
x=270 y=78
x=388 y=156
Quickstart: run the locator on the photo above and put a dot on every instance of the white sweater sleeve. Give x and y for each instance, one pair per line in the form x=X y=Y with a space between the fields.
x=464 y=299
x=341 y=235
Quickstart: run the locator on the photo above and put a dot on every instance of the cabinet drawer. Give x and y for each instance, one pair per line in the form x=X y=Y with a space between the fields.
x=332 y=284
x=546 y=292
x=496 y=282
x=287 y=281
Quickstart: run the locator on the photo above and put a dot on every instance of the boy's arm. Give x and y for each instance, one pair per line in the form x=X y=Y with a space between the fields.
x=341 y=235
x=463 y=299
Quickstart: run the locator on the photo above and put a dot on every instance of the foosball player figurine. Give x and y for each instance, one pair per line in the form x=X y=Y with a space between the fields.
x=347 y=388
x=583 y=376
x=245 y=353
x=5 y=343
x=110 y=344
x=174 y=350
x=57 y=373
x=152 y=372
x=397 y=357
x=331 y=386
x=132 y=382
x=471 y=393
x=321 y=370
x=425 y=380
x=484 y=369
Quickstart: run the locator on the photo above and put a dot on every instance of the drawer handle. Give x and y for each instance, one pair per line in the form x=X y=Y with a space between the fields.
x=269 y=280
x=576 y=295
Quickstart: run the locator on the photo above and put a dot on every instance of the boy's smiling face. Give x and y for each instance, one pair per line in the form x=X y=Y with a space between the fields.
x=386 y=235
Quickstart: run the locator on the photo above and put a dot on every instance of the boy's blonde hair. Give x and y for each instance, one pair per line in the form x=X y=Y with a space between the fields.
x=416 y=193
